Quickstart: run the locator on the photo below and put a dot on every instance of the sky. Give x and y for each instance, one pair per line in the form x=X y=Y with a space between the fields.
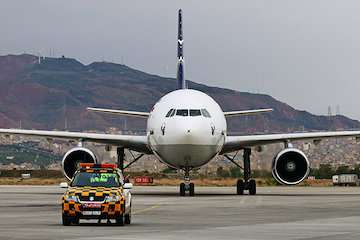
x=305 y=53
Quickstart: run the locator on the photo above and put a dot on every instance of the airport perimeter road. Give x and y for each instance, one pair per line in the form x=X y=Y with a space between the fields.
x=33 y=212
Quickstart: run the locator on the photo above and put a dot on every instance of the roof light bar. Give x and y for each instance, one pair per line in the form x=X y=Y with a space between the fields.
x=97 y=165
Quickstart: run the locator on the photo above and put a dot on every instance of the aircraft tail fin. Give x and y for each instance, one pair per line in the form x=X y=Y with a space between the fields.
x=180 y=65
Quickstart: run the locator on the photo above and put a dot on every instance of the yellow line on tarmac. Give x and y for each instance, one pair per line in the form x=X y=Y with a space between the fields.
x=148 y=209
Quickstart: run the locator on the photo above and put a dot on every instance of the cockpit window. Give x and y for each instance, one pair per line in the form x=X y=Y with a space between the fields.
x=205 y=113
x=169 y=112
x=195 y=112
x=182 y=112
x=188 y=112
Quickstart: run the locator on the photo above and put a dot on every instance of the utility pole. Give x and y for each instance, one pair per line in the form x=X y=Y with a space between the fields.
x=337 y=110
x=65 y=116
x=329 y=117
x=329 y=111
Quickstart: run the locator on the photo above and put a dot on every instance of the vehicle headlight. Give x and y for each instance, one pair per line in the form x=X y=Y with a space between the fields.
x=113 y=198
x=71 y=198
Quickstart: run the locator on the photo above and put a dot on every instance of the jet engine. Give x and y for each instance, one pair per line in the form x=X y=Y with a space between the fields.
x=74 y=157
x=290 y=166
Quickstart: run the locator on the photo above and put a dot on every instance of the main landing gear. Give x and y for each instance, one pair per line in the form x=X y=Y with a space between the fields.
x=187 y=186
x=121 y=158
x=247 y=183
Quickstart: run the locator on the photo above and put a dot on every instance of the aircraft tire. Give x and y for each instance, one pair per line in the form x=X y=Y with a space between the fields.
x=240 y=186
x=252 y=187
x=182 y=189
x=192 y=189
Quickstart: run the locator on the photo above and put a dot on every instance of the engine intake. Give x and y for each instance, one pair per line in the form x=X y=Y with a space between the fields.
x=74 y=157
x=290 y=166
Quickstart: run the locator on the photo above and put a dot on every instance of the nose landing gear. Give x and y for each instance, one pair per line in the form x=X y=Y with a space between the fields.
x=187 y=186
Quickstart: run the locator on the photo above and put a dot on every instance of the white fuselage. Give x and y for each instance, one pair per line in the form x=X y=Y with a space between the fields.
x=186 y=137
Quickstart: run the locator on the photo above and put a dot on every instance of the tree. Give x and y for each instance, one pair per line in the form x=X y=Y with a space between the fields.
x=325 y=171
x=169 y=170
x=343 y=169
x=235 y=172
x=221 y=172
x=356 y=169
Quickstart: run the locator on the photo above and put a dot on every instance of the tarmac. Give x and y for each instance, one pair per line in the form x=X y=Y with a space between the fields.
x=34 y=212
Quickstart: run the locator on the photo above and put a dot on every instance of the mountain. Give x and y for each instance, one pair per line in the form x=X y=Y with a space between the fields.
x=42 y=93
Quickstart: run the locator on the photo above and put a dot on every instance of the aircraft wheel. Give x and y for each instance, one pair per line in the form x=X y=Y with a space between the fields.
x=252 y=187
x=191 y=189
x=240 y=186
x=182 y=189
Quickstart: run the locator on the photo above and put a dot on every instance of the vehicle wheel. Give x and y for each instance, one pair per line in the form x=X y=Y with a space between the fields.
x=182 y=189
x=128 y=217
x=252 y=187
x=191 y=189
x=76 y=220
x=240 y=187
x=120 y=220
x=66 y=221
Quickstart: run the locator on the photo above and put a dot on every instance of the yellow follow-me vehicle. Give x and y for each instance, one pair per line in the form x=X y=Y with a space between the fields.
x=97 y=191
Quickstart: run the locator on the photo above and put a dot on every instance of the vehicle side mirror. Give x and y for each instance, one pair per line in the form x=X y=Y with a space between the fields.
x=64 y=185
x=128 y=186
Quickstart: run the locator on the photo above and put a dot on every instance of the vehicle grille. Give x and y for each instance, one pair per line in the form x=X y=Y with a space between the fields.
x=95 y=198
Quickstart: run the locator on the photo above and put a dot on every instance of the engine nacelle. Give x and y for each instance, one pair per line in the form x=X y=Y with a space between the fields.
x=290 y=166
x=74 y=157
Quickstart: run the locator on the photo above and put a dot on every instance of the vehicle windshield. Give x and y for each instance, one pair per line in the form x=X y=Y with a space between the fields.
x=95 y=179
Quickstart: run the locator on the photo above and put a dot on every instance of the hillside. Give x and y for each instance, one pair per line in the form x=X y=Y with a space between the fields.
x=27 y=152
x=40 y=95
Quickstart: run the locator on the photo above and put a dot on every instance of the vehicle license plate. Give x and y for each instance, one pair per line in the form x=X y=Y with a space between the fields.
x=91 y=213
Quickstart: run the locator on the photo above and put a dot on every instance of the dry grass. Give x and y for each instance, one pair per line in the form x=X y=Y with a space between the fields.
x=197 y=182
x=317 y=183
x=226 y=182
x=31 y=181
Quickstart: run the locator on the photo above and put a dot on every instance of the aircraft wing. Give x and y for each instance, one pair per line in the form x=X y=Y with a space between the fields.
x=120 y=112
x=233 y=143
x=133 y=142
x=247 y=112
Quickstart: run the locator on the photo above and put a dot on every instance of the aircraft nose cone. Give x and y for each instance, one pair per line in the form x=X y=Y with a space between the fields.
x=189 y=135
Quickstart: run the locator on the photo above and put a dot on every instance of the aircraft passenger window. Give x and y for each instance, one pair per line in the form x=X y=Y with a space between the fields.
x=182 y=112
x=169 y=113
x=205 y=113
x=195 y=112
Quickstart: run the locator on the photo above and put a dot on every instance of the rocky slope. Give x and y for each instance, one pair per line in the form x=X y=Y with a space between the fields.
x=42 y=95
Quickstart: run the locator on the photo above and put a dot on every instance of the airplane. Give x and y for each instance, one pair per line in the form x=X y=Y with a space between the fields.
x=186 y=129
